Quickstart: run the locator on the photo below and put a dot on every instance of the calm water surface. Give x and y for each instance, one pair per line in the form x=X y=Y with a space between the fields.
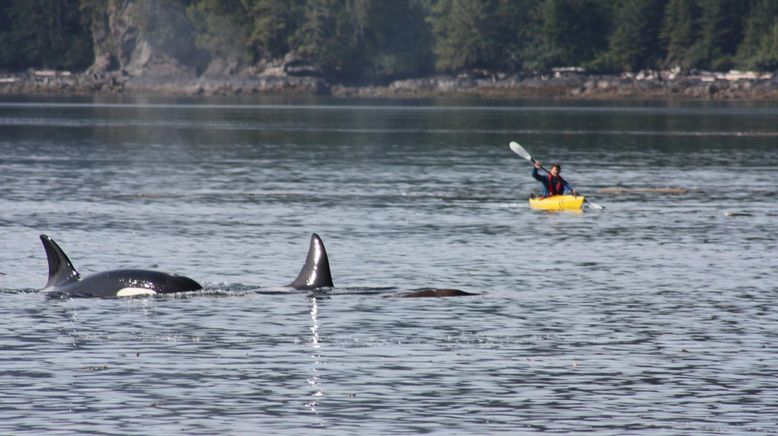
x=656 y=315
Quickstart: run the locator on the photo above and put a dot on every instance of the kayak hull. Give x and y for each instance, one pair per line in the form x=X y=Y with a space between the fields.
x=557 y=202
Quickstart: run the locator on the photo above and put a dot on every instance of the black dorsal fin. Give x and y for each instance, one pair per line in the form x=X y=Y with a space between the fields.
x=316 y=271
x=61 y=270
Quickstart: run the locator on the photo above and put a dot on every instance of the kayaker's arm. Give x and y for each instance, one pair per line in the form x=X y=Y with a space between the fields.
x=568 y=188
x=540 y=179
x=537 y=176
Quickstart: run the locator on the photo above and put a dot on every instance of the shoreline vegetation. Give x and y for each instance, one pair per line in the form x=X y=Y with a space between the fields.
x=563 y=83
x=565 y=49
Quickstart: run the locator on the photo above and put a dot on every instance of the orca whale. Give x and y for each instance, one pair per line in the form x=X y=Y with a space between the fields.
x=316 y=275
x=65 y=281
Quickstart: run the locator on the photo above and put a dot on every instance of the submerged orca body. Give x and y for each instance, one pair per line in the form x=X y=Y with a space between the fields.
x=435 y=293
x=65 y=281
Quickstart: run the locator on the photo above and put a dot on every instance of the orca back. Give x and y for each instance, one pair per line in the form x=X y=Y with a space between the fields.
x=435 y=293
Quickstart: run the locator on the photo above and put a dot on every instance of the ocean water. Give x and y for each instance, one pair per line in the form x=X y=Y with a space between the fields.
x=654 y=315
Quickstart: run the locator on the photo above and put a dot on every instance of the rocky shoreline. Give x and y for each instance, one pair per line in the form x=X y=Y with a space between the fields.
x=698 y=86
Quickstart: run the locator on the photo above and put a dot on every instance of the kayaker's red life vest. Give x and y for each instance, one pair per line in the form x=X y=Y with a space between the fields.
x=557 y=188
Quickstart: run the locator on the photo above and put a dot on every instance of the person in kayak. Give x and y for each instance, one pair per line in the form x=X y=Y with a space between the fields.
x=553 y=183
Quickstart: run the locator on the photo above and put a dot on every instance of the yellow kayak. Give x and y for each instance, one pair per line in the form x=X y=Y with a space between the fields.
x=557 y=202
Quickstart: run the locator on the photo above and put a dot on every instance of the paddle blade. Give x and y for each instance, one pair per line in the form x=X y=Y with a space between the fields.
x=518 y=149
x=594 y=205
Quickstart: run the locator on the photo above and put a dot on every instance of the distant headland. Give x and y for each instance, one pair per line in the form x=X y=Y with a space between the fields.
x=564 y=49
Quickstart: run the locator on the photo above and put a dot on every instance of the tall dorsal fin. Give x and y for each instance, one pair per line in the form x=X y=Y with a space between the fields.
x=61 y=271
x=316 y=271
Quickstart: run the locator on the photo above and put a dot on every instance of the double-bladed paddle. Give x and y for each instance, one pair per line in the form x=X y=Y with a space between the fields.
x=518 y=149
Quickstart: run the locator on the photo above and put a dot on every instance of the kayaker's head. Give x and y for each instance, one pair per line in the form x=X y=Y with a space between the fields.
x=555 y=169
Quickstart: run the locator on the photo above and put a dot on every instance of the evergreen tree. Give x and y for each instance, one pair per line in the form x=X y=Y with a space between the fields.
x=514 y=32
x=573 y=32
x=758 y=30
x=481 y=34
x=318 y=33
x=358 y=39
x=704 y=33
x=44 y=34
x=166 y=26
x=635 y=44
x=401 y=41
x=721 y=30
x=8 y=55
x=766 y=57
x=274 y=24
x=680 y=31
x=465 y=34
x=222 y=28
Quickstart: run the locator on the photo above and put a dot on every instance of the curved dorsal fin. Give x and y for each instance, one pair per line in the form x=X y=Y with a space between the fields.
x=316 y=271
x=61 y=270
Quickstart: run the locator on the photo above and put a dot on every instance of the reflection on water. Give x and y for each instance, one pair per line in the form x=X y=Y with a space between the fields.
x=313 y=380
x=654 y=315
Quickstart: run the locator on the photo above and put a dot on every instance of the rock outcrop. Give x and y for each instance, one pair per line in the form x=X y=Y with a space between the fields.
x=123 y=47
